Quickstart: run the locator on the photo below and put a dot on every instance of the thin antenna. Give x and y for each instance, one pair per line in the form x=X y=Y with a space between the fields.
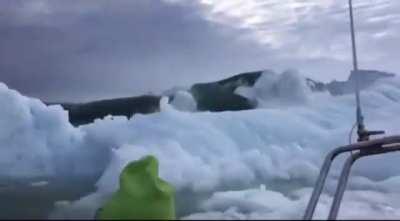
x=353 y=36
x=363 y=133
x=360 y=118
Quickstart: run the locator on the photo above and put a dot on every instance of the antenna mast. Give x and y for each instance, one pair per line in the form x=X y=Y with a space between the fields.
x=363 y=148
x=363 y=133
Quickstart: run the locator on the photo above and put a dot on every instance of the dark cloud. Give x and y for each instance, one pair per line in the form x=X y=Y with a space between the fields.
x=116 y=49
x=77 y=50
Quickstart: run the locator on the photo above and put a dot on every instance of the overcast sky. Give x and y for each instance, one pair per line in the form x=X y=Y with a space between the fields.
x=79 y=50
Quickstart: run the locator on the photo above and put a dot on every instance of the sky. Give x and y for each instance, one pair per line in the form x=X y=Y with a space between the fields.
x=80 y=50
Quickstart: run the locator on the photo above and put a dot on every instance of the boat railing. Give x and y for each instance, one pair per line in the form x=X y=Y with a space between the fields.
x=357 y=150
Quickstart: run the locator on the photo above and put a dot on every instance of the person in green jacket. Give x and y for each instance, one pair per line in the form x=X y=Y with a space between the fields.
x=141 y=194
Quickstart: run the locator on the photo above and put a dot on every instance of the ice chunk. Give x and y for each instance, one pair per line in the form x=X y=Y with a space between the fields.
x=184 y=101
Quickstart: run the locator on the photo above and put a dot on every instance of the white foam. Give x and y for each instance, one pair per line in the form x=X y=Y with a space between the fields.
x=184 y=101
x=277 y=90
x=39 y=184
x=264 y=204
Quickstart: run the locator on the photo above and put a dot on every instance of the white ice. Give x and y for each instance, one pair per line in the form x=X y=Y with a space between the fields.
x=222 y=156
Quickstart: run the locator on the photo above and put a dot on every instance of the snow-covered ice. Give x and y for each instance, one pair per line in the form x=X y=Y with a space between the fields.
x=184 y=101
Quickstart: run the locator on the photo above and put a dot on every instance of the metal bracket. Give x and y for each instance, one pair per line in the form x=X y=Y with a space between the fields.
x=361 y=149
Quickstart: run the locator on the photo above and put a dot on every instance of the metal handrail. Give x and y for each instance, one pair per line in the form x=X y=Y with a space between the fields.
x=364 y=148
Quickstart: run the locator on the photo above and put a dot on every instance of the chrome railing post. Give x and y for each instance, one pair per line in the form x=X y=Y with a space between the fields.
x=365 y=148
x=320 y=182
x=346 y=173
x=341 y=187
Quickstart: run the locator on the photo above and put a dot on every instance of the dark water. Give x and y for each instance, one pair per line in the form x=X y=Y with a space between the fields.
x=20 y=200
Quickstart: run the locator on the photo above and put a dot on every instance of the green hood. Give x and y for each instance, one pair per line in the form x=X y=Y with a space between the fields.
x=141 y=195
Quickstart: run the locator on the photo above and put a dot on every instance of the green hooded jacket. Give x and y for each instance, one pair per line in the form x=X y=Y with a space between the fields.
x=141 y=194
